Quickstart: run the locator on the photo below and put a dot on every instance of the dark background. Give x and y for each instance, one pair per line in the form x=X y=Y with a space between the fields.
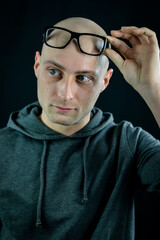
x=21 y=25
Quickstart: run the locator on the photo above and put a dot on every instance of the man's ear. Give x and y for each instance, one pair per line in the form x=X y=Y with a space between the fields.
x=107 y=77
x=37 y=63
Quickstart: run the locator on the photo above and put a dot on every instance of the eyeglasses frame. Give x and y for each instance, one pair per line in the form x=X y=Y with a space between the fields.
x=76 y=35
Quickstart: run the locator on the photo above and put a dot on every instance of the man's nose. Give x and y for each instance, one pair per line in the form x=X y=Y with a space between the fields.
x=66 y=88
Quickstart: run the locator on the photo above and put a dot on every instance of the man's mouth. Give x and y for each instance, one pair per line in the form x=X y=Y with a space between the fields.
x=62 y=109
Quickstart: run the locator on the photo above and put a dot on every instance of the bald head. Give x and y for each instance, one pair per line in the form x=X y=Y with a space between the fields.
x=84 y=25
x=81 y=25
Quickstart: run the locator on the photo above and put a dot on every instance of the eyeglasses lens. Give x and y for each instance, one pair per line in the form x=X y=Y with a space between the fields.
x=91 y=44
x=57 y=37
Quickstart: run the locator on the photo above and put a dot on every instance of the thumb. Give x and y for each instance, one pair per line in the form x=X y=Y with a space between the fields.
x=114 y=57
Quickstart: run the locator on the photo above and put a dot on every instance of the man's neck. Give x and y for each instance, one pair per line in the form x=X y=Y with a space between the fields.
x=65 y=130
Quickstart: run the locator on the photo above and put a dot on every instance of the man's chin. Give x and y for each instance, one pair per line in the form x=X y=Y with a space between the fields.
x=64 y=122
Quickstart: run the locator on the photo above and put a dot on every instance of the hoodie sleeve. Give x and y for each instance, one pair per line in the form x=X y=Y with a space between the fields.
x=146 y=151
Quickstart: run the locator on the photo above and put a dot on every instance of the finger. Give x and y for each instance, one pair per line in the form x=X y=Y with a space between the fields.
x=126 y=29
x=133 y=35
x=144 y=34
x=133 y=40
x=134 y=31
x=142 y=37
x=115 y=57
x=130 y=37
x=151 y=35
x=121 y=46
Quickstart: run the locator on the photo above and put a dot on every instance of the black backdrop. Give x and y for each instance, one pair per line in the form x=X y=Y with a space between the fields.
x=22 y=24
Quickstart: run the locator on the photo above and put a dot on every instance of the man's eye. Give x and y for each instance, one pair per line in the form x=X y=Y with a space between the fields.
x=54 y=72
x=83 y=78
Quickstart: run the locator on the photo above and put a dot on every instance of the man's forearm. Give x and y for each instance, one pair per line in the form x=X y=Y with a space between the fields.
x=151 y=95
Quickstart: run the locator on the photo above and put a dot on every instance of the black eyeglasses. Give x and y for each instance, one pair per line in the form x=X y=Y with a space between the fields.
x=88 y=43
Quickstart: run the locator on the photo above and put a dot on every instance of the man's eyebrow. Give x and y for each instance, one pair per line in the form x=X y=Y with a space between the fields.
x=54 y=63
x=87 y=72
x=63 y=68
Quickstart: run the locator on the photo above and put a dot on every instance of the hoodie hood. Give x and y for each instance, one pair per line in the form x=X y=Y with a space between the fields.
x=27 y=122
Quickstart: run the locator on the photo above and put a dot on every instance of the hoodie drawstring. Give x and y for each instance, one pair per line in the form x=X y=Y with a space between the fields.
x=41 y=188
x=42 y=180
x=85 y=192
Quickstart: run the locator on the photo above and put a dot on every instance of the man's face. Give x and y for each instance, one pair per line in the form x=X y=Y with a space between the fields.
x=69 y=83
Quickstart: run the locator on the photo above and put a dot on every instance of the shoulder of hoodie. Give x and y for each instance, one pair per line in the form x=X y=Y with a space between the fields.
x=137 y=139
x=7 y=132
x=8 y=138
x=133 y=137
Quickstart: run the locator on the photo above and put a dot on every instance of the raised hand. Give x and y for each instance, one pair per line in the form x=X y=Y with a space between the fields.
x=139 y=63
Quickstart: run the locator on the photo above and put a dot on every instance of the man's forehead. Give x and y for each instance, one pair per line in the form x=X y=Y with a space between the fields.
x=67 y=58
x=71 y=60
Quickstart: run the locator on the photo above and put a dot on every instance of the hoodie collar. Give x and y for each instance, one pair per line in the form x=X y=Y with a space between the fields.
x=27 y=122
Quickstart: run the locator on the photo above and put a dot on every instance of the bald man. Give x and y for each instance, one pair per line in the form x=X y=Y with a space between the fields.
x=67 y=170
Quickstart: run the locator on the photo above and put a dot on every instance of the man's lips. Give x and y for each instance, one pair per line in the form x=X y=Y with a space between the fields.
x=62 y=109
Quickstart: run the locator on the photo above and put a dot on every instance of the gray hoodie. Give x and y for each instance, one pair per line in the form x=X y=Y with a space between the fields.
x=56 y=187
